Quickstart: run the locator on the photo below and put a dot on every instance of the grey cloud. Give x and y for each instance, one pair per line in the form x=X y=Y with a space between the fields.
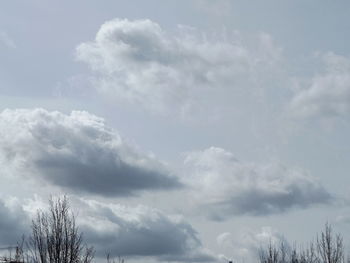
x=140 y=231
x=225 y=186
x=328 y=95
x=14 y=223
x=78 y=152
x=139 y=62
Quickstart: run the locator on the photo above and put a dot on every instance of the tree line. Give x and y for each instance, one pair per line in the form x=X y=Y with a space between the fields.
x=55 y=238
x=328 y=248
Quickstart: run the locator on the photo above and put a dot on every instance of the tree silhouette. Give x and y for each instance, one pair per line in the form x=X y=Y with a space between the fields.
x=55 y=238
x=329 y=248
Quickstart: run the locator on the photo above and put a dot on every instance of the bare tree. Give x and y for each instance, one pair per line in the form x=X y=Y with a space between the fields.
x=330 y=248
x=270 y=255
x=55 y=238
x=309 y=255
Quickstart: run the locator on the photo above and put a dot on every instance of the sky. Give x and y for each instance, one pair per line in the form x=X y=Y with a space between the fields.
x=181 y=131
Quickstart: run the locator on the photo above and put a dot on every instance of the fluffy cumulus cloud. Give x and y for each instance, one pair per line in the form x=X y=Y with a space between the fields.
x=328 y=95
x=224 y=186
x=139 y=62
x=78 y=152
x=140 y=231
x=14 y=222
x=246 y=245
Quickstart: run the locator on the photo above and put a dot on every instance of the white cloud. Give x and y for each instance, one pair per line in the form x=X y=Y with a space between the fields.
x=328 y=95
x=78 y=152
x=246 y=244
x=139 y=62
x=140 y=231
x=223 y=186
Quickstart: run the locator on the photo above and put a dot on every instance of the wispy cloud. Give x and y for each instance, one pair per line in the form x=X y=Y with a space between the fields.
x=328 y=93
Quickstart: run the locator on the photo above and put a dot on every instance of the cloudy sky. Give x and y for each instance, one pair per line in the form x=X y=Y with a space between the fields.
x=182 y=131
